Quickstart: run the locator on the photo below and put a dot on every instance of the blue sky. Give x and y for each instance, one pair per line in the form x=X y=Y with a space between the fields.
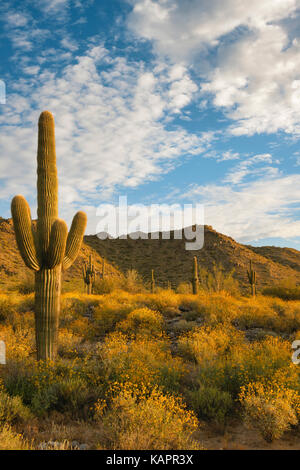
x=166 y=101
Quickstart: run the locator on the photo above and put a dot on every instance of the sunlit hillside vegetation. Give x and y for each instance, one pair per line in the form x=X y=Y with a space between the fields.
x=168 y=370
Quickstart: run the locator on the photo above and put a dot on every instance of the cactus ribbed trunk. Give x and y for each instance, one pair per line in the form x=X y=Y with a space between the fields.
x=47 y=309
x=47 y=182
x=89 y=275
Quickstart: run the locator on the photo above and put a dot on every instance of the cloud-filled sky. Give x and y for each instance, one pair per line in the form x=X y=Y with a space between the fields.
x=165 y=101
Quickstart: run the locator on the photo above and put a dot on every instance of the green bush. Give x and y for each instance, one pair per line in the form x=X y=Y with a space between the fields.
x=26 y=286
x=211 y=404
x=283 y=291
x=106 y=285
x=17 y=381
x=143 y=420
x=132 y=282
x=7 y=308
x=10 y=440
x=142 y=321
x=66 y=395
x=12 y=409
x=270 y=408
x=184 y=288
x=218 y=279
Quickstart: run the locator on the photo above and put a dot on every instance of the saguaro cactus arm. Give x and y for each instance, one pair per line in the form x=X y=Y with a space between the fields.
x=57 y=243
x=74 y=239
x=24 y=233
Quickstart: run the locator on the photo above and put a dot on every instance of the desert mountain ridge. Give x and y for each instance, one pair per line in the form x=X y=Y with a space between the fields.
x=13 y=269
x=173 y=263
x=170 y=260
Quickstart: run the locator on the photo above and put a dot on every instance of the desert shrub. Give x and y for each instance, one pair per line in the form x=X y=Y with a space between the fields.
x=73 y=306
x=139 y=420
x=132 y=282
x=211 y=404
x=286 y=290
x=140 y=361
x=183 y=326
x=165 y=301
x=19 y=341
x=206 y=344
x=272 y=314
x=213 y=309
x=109 y=313
x=25 y=303
x=68 y=343
x=260 y=360
x=27 y=285
x=12 y=409
x=184 y=288
x=248 y=362
x=257 y=315
x=17 y=379
x=218 y=280
x=106 y=285
x=10 y=440
x=269 y=408
x=7 y=307
x=47 y=386
x=67 y=395
x=80 y=327
x=142 y=321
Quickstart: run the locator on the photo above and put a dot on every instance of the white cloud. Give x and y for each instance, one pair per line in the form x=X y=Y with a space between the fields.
x=249 y=166
x=112 y=130
x=31 y=70
x=16 y=20
x=222 y=156
x=68 y=43
x=255 y=82
x=179 y=28
x=21 y=29
x=53 y=6
x=252 y=211
x=60 y=8
x=248 y=57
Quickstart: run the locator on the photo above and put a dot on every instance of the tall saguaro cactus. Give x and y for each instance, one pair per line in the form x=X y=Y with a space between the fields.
x=195 y=280
x=252 y=279
x=152 y=281
x=103 y=268
x=89 y=275
x=47 y=248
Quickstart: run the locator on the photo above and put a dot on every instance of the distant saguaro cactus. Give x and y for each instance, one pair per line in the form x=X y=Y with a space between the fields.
x=252 y=279
x=195 y=280
x=48 y=248
x=103 y=268
x=89 y=275
x=152 y=281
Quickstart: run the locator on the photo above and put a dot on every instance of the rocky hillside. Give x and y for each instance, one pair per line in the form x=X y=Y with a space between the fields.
x=13 y=270
x=172 y=262
x=169 y=258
